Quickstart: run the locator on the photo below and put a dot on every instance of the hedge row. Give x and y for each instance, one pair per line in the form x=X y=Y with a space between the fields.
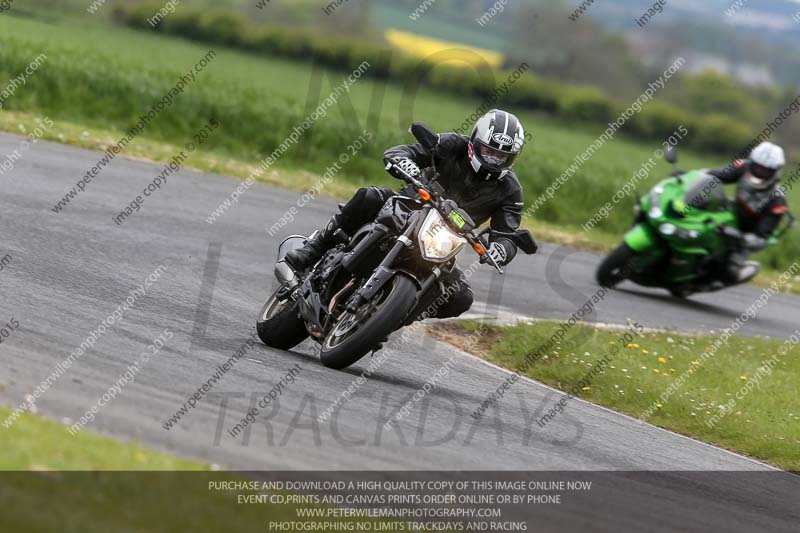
x=656 y=121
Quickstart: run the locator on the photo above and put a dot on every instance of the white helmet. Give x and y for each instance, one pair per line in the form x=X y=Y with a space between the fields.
x=496 y=142
x=765 y=167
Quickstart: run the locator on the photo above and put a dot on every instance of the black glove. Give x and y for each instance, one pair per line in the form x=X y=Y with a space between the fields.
x=753 y=243
x=406 y=165
x=731 y=233
x=502 y=251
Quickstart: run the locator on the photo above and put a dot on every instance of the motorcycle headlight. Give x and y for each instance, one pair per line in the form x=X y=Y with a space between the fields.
x=668 y=229
x=437 y=241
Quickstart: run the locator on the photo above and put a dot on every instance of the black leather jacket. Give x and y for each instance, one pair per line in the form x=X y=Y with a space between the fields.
x=500 y=201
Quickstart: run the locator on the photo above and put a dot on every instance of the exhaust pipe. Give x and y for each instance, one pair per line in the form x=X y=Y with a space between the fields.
x=284 y=272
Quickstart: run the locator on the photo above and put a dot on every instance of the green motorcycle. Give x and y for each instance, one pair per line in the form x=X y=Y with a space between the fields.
x=683 y=231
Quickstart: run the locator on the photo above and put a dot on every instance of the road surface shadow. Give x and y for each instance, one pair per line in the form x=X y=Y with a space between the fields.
x=686 y=303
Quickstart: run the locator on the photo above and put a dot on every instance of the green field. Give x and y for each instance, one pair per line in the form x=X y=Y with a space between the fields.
x=763 y=422
x=108 y=76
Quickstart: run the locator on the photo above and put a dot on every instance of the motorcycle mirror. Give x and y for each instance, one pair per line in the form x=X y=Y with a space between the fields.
x=427 y=138
x=671 y=154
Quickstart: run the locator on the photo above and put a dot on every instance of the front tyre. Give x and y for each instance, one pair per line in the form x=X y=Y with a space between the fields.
x=356 y=334
x=279 y=324
x=613 y=268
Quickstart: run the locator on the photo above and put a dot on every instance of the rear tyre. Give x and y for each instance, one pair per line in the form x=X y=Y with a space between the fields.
x=279 y=324
x=612 y=270
x=356 y=334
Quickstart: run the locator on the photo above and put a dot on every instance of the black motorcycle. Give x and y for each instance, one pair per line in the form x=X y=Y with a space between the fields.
x=369 y=285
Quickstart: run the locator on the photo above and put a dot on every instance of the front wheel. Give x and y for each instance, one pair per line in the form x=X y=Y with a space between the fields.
x=355 y=334
x=614 y=268
x=279 y=324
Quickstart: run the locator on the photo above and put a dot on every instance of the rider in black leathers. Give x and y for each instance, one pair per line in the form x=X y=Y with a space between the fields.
x=475 y=172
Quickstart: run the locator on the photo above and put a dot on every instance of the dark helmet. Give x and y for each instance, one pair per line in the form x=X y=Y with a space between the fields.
x=496 y=142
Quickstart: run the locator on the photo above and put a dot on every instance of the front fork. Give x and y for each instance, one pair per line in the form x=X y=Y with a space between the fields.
x=383 y=273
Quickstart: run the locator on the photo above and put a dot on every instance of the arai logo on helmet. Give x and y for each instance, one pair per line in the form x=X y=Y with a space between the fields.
x=502 y=138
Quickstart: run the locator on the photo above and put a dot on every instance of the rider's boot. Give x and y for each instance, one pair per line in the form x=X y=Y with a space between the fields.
x=315 y=247
x=738 y=271
x=747 y=271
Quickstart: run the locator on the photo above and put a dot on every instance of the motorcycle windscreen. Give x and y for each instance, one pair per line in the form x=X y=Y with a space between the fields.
x=706 y=193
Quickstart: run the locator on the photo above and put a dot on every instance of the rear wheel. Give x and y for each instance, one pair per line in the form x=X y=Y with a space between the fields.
x=279 y=324
x=356 y=334
x=613 y=268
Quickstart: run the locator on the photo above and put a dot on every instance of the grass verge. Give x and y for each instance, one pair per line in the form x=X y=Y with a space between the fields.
x=744 y=398
x=52 y=481
x=38 y=444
